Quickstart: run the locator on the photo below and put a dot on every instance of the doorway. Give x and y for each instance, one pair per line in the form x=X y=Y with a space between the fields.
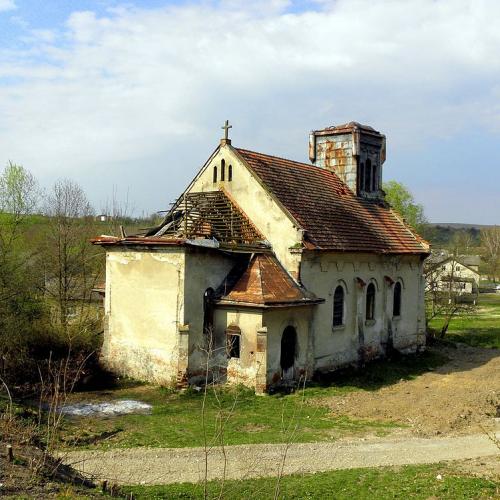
x=288 y=352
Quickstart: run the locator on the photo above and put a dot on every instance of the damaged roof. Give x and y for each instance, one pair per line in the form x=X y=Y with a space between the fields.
x=332 y=217
x=264 y=282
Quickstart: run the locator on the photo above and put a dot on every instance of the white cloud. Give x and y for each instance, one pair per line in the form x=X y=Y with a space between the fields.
x=7 y=5
x=138 y=89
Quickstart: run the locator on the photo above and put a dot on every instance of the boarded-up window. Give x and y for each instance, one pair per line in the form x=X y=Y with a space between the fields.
x=338 y=306
x=230 y=173
x=233 y=341
x=370 y=301
x=223 y=170
x=215 y=174
x=396 y=305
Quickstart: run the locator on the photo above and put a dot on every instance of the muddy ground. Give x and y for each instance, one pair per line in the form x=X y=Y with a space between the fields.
x=460 y=397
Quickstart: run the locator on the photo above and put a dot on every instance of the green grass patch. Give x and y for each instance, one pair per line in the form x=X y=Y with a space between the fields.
x=302 y=416
x=481 y=329
x=416 y=482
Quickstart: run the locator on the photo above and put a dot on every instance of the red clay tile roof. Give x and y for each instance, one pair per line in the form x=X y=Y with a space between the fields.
x=264 y=282
x=332 y=216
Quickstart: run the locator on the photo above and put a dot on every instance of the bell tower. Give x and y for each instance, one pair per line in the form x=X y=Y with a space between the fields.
x=355 y=153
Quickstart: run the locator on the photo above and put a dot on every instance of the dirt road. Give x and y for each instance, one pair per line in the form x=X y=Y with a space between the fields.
x=460 y=397
x=171 y=465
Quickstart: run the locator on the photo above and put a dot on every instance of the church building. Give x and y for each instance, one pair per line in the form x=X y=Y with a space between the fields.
x=268 y=269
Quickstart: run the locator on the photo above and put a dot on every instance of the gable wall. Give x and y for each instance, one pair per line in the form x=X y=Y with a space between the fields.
x=337 y=346
x=257 y=204
x=144 y=306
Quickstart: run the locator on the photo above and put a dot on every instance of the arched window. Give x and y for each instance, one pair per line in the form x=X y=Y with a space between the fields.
x=208 y=311
x=368 y=175
x=233 y=341
x=338 y=306
x=215 y=173
x=230 y=173
x=396 y=304
x=223 y=170
x=370 y=301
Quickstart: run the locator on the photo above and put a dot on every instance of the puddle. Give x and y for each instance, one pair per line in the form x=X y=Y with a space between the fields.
x=107 y=409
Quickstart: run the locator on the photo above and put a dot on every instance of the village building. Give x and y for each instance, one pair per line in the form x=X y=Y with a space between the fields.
x=458 y=274
x=275 y=268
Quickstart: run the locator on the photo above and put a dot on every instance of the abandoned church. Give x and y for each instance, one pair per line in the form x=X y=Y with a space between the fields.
x=274 y=268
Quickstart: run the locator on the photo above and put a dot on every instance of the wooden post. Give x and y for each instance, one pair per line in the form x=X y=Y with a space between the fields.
x=10 y=453
x=104 y=486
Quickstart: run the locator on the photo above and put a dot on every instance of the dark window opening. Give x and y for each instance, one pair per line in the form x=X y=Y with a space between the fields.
x=223 y=170
x=233 y=339
x=288 y=348
x=370 y=301
x=338 y=306
x=396 y=306
x=230 y=173
x=208 y=311
x=374 y=178
x=215 y=174
x=368 y=176
x=361 y=177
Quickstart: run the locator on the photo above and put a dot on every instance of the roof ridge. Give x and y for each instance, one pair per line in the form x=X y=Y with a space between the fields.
x=284 y=159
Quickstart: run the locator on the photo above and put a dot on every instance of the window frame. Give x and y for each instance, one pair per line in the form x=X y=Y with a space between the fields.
x=233 y=341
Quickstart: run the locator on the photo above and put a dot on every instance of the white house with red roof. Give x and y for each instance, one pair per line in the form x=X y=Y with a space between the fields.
x=272 y=268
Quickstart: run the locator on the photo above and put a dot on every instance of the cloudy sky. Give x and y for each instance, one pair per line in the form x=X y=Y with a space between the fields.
x=129 y=96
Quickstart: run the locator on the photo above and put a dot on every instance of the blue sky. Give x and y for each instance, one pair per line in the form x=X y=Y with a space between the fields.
x=129 y=97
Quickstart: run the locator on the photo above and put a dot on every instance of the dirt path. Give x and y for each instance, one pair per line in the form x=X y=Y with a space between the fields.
x=460 y=397
x=171 y=465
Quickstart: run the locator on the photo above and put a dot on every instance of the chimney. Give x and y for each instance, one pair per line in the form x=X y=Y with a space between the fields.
x=354 y=152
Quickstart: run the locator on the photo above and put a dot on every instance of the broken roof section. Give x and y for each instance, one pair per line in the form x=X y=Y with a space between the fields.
x=211 y=214
x=264 y=283
x=332 y=216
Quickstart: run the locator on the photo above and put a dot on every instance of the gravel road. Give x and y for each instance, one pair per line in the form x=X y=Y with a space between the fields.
x=175 y=465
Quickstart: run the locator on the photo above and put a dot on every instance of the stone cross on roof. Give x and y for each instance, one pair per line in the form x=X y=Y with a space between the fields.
x=226 y=128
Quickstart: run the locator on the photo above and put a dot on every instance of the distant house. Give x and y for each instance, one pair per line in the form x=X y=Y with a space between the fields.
x=102 y=218
x=460 y=274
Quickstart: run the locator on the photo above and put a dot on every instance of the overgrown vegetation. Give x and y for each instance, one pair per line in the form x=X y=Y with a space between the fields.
x=416 y=482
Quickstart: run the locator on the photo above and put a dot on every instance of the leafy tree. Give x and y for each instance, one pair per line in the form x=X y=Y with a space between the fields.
x=402 y=201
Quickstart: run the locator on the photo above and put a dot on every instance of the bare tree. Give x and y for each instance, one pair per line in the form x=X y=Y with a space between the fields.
x=444 y=295
x=490 y=241
x=70 y=263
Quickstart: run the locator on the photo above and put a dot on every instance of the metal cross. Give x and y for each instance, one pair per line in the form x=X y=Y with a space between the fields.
x=226 y=128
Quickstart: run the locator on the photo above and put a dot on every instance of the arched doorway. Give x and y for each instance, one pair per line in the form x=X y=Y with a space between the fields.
x=288 y=352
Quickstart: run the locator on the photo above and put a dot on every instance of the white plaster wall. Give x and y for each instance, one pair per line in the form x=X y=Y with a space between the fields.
x=334 y=347
x=143 y=307
x=243 y=370
x=257 y=204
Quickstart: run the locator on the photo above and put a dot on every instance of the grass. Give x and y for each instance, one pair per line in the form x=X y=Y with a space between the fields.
x=415 y=482
x=481 y=329
x=176 y=417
